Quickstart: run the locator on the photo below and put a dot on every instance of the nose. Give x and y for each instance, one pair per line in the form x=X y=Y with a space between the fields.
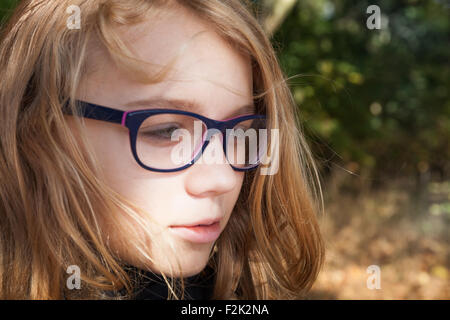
x=211 y=174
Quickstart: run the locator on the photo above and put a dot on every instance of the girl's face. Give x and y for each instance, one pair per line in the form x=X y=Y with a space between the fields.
x=208 y=72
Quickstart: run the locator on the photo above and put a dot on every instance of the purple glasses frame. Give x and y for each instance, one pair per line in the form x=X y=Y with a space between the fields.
x=133 y=120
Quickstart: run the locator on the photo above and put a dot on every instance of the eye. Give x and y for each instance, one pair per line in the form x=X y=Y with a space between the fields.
x=159 y=132
x=241 y=127
x=244 y=125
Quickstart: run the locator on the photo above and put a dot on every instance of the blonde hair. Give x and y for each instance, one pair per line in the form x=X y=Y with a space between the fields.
x=52 y=193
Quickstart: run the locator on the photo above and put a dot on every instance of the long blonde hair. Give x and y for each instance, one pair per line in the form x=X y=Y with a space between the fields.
x=52 y=193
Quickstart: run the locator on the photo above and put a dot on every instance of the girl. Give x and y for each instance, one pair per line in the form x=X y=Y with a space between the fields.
x=91 y=94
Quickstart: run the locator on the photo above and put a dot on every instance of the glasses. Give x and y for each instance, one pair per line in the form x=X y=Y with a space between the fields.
x=167 y=140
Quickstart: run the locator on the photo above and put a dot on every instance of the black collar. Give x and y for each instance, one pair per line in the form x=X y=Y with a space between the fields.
x=151 y=286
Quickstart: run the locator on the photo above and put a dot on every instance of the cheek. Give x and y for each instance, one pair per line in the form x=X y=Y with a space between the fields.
x=145 y=189
x=234 y=194
x=111 y=147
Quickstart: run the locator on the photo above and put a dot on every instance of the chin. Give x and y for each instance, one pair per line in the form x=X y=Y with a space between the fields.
x=192 y=259
x=193 y=271
x=193 y=267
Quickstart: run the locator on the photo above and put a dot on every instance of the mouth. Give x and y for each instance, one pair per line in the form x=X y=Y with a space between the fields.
x=204 y=232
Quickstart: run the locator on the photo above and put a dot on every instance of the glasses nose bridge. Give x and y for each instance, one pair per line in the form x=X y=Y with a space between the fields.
x=213 y=126
x=222 y=126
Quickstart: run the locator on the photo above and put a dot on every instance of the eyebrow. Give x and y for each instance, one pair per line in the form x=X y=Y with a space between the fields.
x=186 y=105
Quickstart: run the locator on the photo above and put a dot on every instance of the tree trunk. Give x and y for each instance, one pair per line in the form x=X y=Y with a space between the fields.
x=274 y=13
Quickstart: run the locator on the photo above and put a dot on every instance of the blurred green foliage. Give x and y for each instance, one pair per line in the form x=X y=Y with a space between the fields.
x=6 y=8
x=371 y=100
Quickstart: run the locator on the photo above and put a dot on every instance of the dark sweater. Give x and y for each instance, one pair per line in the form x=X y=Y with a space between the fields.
x=153 y=287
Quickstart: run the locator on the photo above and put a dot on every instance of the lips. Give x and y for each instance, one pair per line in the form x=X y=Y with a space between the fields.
x=205 y=222
x=204 y=231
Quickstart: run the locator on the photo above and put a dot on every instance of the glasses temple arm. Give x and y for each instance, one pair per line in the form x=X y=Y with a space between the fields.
x=96 y=112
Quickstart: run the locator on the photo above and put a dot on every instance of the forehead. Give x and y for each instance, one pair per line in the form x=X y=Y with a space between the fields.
x=207 y=68
x=178 y=32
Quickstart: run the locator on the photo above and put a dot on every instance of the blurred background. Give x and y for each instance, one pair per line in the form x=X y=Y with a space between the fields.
x=375 y=106
x=374 y=103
